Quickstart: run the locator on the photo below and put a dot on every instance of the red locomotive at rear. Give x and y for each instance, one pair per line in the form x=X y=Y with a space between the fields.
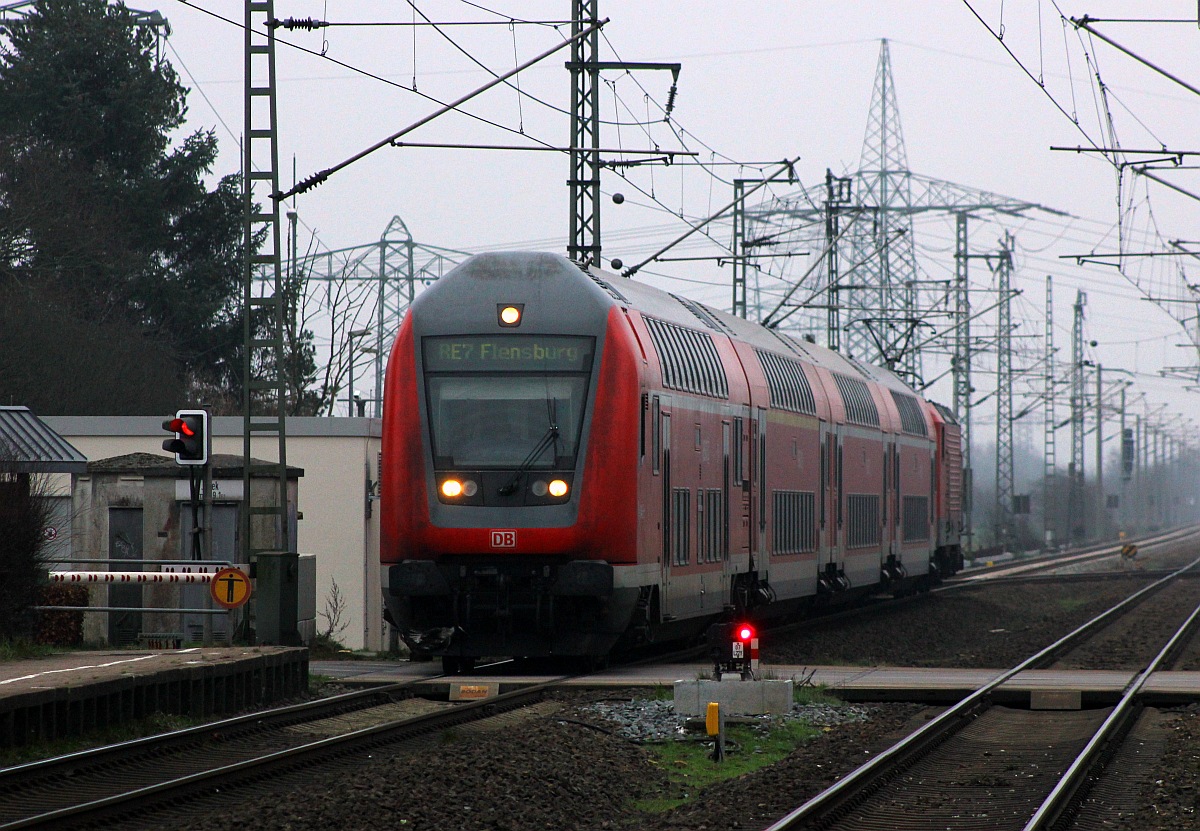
x=574 y=463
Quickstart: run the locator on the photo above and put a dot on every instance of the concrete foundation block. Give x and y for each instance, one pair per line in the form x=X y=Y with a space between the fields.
x=736 y=697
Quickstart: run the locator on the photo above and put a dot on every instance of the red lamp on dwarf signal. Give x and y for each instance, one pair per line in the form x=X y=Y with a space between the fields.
x=744 y=632
x=191 y=442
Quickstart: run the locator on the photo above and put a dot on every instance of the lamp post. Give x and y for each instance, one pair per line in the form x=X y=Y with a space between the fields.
x=354 y=333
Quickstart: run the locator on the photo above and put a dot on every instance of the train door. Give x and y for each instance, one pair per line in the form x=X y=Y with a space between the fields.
x=890 y=519
x=824 y=499
x=761 y=471
x=740 y=511
x=662 y=466
x=727 y=564
x=898 y=504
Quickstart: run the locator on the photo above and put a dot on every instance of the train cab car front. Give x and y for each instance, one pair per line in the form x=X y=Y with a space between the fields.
x=501 y=514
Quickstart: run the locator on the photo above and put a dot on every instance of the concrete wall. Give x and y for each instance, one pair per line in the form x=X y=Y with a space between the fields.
x=340 y=461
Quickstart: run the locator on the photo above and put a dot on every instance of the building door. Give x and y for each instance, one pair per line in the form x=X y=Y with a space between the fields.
x=124 y=544
x=225 y=528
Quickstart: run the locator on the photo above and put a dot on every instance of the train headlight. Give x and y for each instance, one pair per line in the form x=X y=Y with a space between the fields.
x=459 y=489
x=510 y=314
x=557 y=488
x=539 y=488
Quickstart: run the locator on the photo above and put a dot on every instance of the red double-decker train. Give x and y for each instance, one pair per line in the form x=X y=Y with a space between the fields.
x=574 y=463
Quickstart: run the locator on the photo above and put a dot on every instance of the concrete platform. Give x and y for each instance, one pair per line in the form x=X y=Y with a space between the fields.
x=851 y=683
x=72 y=693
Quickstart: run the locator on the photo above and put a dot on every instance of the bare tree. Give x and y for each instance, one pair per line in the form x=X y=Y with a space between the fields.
x=25 y=510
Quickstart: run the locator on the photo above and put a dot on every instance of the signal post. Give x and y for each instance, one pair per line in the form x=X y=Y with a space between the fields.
x=192 y=446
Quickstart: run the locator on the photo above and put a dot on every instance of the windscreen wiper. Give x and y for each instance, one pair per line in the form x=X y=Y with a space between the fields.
x=547 y=440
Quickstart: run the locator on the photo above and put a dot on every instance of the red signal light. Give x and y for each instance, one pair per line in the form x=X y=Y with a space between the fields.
x=190 y=443
x=744 y=632
x=179 y=425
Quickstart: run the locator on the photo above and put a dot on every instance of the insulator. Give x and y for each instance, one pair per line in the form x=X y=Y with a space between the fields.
x=306 y=23
x=671 y=99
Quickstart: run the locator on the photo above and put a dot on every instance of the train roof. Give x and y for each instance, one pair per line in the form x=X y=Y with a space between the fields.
x=687 y=312
x=608 y=287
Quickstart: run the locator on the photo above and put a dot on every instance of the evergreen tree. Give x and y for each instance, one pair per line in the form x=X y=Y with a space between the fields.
x=107 y=223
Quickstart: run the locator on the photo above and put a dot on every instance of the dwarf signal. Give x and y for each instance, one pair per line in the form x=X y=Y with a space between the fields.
x=733 y=648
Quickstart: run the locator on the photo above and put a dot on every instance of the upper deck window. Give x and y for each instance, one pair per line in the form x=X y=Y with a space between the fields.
x=860 y=407
x=912 y=420
x=789 y=387
x=689 y=359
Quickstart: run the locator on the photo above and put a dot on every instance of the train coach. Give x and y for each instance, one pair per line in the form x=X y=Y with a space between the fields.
x=575 y=463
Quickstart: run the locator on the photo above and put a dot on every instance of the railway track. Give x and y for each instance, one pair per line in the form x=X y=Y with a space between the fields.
x=1043 y=564
x=979 y=765
x=131 y=781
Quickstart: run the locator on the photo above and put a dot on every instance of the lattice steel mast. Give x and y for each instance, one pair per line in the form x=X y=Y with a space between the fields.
x=1076 y=506
x=583 y=244
x=1004 y=392
x=264 y=522
x=1049 y=461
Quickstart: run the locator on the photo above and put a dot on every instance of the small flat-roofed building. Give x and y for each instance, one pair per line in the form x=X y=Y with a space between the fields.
x=335 y=516
x=133 y=513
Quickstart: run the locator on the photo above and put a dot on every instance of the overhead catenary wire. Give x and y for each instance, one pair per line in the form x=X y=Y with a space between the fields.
x=321 y=176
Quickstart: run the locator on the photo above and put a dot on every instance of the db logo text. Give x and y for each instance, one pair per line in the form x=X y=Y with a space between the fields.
x=504 y=538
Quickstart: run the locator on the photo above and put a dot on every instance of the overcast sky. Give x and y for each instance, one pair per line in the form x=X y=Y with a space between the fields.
x=760 y=82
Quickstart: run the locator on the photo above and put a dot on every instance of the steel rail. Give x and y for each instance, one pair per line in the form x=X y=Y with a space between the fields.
x=1088 y=554
x=1074 y=780
x=859 y=782
x=11 y=777
x=145 y=799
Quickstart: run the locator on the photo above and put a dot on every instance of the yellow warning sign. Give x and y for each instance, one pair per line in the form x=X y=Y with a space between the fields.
x=230 y=587
x=473 y=692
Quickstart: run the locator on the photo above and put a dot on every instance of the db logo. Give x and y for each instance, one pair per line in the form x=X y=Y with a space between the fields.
x=504 y=539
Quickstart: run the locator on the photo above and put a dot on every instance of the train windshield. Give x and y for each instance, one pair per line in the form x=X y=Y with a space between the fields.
x=503 y=401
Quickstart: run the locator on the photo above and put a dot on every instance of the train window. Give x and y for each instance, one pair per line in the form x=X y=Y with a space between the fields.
x=506 y=401
x=912 y=420
x=916 y=518
x=699 y=437
x=863 y=510
x=795 y=528
x=681 y=525
x=787 y=383
x=710 y=526
x=688 y=358
x=856 y=397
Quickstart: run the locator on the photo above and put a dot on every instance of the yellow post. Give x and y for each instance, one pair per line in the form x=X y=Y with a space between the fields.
x=715 y=726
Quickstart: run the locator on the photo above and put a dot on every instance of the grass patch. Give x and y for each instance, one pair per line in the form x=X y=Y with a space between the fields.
x=689 y=769
x=149 y=726
x=1070 y=604
x=661 y=692
x=814 y=694
x=20 y=649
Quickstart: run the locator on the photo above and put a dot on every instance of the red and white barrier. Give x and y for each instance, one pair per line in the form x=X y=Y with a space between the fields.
x=127 y=577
